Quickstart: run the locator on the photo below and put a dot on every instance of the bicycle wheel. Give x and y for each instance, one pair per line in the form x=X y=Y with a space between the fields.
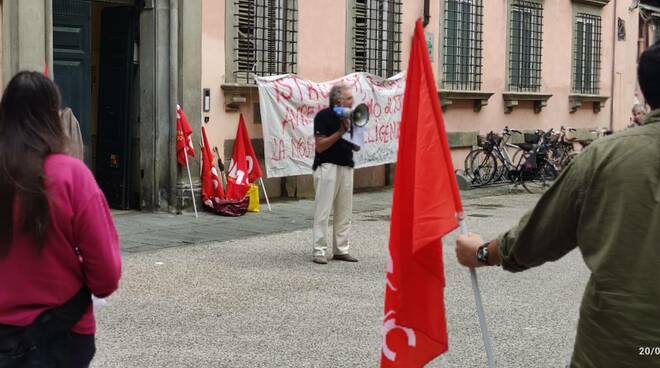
x=500 y=175
x=513 y=155
x=540 y=177
x=467 y=165
x=562 y=157
x=517 y=152
x=483 y=167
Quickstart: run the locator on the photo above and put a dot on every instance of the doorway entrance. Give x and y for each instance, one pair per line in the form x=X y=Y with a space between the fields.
x=96 y=68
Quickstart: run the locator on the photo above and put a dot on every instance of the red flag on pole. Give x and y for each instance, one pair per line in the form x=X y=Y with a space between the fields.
x=212 y=191
x=183 y=141
x=243 y=167
x=425 y=206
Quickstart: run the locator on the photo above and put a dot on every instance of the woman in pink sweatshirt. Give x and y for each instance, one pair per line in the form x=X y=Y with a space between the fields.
x=58 y=243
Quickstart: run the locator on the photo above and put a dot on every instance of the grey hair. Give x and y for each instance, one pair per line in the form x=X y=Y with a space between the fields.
x=639 y=107
x=335 y=93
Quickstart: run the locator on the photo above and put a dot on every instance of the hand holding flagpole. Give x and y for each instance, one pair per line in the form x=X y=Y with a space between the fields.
x=480 y=307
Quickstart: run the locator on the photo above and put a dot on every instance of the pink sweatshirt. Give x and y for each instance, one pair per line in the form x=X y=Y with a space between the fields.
x=31 y=282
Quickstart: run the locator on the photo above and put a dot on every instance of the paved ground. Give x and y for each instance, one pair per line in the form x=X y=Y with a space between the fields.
x=146 y=231
x=252 y=298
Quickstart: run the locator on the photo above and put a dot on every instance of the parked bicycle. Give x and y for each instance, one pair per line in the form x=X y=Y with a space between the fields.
x=535 y=169
x=599 y=133
x=494 y=158
x=561 y=148
x=527 y=164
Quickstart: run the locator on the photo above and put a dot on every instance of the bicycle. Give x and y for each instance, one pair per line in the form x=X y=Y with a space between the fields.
x=492 y=161
x=561 y=148
x=601 y=132
x=535 y=169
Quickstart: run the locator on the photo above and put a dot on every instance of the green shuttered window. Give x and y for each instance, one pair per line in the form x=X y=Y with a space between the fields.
x=265 y=38
x=462 y=47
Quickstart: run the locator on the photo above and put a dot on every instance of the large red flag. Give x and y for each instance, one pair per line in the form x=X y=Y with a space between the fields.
x=183 y=141
x=212 y=191
x=426 y=203
x=243 y=167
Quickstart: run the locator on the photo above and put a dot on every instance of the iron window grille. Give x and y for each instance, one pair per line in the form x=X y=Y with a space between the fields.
x=463 y=44
x=265 y=38
x=525 y=47
x=586 y=73
x=377 y=36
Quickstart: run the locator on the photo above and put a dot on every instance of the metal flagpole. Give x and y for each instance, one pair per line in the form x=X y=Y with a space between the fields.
x=480 y=308
x=265 y=194
x=254 y=76
x=192 y=191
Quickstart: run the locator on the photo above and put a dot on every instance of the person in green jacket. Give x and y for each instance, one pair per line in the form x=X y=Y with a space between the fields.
x=607 y=204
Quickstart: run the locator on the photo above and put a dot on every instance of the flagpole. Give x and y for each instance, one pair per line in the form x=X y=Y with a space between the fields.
x=192 y=191
x=480 y=308
x=223 y=178
x=265 y=194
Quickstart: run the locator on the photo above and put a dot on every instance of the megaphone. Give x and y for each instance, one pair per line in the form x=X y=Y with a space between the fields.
x=359 y=116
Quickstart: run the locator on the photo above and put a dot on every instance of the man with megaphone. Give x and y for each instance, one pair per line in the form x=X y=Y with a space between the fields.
x=333 y=175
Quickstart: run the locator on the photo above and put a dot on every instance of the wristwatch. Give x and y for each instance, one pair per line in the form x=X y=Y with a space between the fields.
x=482 y=254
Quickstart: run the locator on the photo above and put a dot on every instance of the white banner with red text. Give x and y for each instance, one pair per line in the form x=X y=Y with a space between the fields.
x=289 y=105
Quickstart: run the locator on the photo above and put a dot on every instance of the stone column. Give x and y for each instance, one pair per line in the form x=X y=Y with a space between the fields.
x=189 y=92
x=26 y=36
x=155 y=126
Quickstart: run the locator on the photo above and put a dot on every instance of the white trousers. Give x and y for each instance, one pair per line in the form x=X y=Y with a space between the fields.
x=334 y=194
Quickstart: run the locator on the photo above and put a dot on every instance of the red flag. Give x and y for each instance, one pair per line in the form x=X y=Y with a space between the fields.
x=212 y=191
x=183 y=141
x=425 y=206
x=243 y=167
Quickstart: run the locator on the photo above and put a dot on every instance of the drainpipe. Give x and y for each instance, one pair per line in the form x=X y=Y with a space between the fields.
x=49 y=39
x=174 y=66
x=427 y=12
x=614 y=34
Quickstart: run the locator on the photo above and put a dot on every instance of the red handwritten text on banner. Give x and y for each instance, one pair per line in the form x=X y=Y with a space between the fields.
x=289 y=105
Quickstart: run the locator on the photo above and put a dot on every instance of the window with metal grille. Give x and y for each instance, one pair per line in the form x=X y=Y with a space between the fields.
x=587 y=46
x=525 y=46
x=377 y=36
x=265 y=38
x=463 y=44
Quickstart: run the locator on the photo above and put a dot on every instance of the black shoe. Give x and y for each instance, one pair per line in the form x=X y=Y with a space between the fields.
x=344 y=257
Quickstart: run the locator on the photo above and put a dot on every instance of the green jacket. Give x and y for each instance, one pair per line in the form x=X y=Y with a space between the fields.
x=607 y=204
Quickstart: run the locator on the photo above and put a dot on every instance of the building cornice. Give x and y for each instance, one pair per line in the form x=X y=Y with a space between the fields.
x=512 y=99
x=479 y=98
x=599 y=3
x=576 y=100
